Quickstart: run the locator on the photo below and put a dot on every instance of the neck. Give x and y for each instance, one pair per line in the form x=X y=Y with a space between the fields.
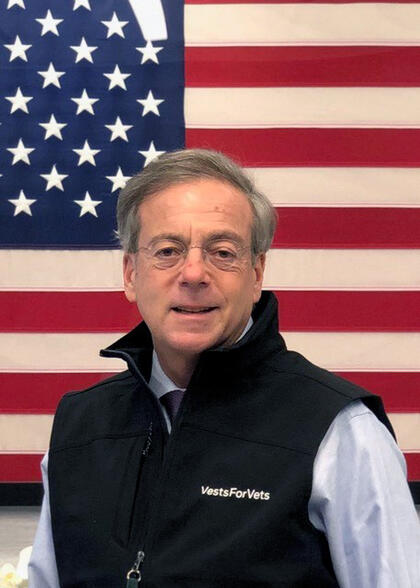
x=179 y=368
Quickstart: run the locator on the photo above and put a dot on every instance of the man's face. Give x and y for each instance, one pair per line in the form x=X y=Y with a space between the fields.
x=195 y=305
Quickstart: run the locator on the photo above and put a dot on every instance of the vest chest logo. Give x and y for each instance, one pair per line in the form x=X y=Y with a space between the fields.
x=235 y=493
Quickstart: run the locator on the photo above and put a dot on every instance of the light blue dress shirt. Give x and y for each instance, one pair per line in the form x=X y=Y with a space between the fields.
x=360 y=499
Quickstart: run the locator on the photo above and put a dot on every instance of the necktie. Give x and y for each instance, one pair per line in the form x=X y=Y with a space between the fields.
x=171 y=401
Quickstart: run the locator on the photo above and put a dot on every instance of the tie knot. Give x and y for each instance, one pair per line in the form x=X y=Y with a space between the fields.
x=171 y=401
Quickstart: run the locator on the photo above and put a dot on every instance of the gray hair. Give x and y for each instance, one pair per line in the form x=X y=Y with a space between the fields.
x=187 y=165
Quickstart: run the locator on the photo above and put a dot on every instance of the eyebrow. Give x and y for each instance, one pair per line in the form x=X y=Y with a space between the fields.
x=215 y=236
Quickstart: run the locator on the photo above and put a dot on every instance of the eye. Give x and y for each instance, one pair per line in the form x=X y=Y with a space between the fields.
x=223 y=253
x=168 y=252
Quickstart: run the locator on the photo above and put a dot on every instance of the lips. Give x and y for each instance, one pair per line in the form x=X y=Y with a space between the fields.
x=193 y=309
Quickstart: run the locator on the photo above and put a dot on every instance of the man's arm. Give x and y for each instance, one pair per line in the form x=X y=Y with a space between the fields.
x=361 y=501
x=42 y=565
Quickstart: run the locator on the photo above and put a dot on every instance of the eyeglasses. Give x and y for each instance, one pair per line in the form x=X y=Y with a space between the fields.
x=225 y=255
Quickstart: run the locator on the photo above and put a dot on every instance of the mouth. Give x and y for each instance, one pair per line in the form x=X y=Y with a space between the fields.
x=193 y=309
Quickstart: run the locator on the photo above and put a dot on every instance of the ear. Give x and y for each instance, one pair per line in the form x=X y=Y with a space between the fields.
x=129 y=274
x=259 y=275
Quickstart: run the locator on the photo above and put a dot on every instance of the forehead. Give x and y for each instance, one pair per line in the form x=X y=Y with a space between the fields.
x=204 y=205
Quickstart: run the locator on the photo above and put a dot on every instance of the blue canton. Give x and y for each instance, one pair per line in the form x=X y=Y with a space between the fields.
x=90 y=92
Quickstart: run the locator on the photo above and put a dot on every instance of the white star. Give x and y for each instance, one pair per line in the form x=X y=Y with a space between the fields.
x=88 y=205
x=115 y=26
x=116 y=78
x=78 y=3
x=51 y=76
x=53 y=128
x=150 y=154
x=49 y=24
x=20 y=152
x=149 y=53
x=118 y=130
x=83 y=51
x=22 y=204
x=150 y=104
x=118 y=181
x=17 y=49
x=85 y=103
x=19 y=3
x=86 y=154
x=19 y=101
x=54 y=179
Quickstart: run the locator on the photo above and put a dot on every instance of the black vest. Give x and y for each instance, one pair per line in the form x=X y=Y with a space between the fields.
x=223 y=500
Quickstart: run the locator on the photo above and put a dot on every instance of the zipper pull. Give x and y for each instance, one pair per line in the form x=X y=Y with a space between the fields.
x=134 y=575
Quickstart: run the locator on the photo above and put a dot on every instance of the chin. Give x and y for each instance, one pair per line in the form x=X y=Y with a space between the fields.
x=193 y=343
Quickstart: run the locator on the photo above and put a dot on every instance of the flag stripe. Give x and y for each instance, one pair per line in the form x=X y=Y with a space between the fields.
x=287 y=269
x=302 y=107
x=293 y=1
x=69 y=352
x=358 y=351
x=68 y=312
x=302 y=24
x=28 y=433
x=17 y=467
x=341 y=269
x=302 y=66
x=313 y=147
x=39 y=393
x=349 y=228
x=339 y=186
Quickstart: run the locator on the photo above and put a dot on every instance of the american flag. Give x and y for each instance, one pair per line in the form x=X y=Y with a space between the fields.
x=319 y=101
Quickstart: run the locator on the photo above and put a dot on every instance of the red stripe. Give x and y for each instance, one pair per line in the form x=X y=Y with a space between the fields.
x=398 y=390
x=20 y=467
x=68 y=312
x=26 y=468
x=302 y=66
x=348 y=311
x=371 y=228
x=39 y=393
x=413 y=466
x=313 y=146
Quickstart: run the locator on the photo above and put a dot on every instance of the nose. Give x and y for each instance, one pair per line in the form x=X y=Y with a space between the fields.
x=194 y=271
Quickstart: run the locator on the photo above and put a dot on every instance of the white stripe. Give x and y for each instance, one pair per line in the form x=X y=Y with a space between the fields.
x=72 y=352
x=342 y=269
x=407 y=430
x=302 y=107
x=302 y=24
x=339 y=186
x=53 y=352
x=25 y=433
x=358 y=351
x=31 y=433
x=289 y=269
x=44 y=270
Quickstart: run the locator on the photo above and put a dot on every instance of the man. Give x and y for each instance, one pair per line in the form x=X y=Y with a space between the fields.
x=219 y=458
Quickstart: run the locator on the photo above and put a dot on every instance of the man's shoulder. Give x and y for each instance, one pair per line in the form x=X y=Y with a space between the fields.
x=100 y=389
x=293 y=366
x=85 y=414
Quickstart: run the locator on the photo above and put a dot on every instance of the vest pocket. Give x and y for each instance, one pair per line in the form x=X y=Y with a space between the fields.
x=131 y=472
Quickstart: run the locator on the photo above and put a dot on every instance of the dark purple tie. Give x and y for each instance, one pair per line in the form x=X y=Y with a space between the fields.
x=171 y=401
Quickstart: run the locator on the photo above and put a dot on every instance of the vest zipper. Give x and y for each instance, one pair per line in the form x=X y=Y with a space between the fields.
x=134 y=574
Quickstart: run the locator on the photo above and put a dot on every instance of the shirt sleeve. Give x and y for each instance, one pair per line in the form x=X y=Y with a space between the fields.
x=42 y=570
x=360 y=499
